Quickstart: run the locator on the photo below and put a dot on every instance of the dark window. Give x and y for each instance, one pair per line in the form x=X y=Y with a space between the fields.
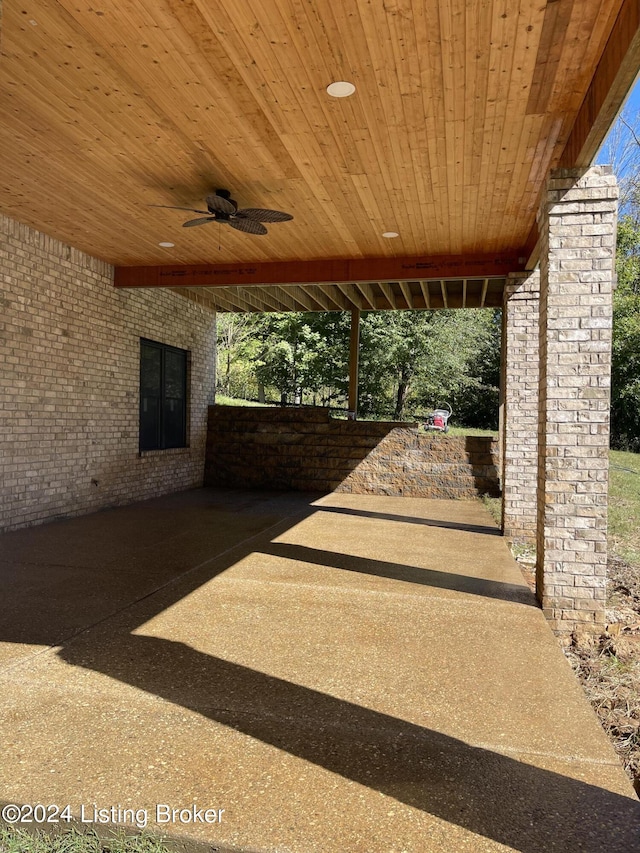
x=163 y=396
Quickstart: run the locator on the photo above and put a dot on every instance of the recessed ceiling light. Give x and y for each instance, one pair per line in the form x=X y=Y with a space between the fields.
x=390 y=234
x=167 y=245
x=341 y=89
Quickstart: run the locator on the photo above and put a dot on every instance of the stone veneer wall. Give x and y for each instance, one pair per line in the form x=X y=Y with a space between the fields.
x=69 y=382
x=305 y=450
x=520 y=380
x=578 y=234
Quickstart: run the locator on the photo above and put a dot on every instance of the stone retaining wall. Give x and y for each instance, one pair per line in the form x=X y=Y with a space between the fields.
x=305 y=450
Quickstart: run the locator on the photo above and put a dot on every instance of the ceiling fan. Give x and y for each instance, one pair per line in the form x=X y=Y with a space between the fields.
x=222 y=208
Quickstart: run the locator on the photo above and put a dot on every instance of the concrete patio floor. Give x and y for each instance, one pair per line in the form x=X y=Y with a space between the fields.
x=353 y=673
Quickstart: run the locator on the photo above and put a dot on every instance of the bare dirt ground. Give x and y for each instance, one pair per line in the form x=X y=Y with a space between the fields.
x=608 y=665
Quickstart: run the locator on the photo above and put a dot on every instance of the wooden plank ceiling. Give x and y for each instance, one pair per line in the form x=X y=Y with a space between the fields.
x=460 y=110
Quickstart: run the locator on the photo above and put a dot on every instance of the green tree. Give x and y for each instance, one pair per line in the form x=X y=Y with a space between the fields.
x=413 y=361
x=287 y=355
x=394 y=347
x=331 y=367
x=625 y=365
x=476 y=381
x=235 y=345
x=410 y=361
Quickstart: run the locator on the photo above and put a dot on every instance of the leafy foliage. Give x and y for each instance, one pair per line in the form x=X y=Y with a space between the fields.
x=290 y=355
x=410 y=361
x=420 y=360
x=236 y=348
x=625 y=367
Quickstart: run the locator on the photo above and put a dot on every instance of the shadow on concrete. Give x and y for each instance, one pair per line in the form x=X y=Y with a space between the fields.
x=501 y=798
x=428 y=522
x=400 y=572
x=523 y=807
x=60 y=582
x=64 y=577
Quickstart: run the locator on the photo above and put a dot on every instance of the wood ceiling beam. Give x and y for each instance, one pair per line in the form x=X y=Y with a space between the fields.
x=424 y=287
x=301 y=297
x=532 y=248
x=387 y=290
x=353 y=295
x=200 y=297
x=273 y=299
x=614 y=76
x=483 y=297
x=256 y=298
x=337 y=297
x=328 y=291
x=232 y=295
x=317 y=293
x=366 y=290
x=321 y=271
x=284 y=295
x=406 y=292
x=224 y=304
x=234 y=299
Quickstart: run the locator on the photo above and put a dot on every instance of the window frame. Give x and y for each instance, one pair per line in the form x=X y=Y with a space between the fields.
x=162 y=441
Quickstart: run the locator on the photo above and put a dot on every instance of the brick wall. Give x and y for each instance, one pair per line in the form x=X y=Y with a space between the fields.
x=303 y=449
x=69 y=382
x=578 y=232
x=520 y=379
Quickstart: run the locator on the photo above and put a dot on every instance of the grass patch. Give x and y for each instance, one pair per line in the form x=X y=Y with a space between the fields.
x=15 y=840
x=494 y=505
x=624 y=506
x=459 y=430
x=221 y=400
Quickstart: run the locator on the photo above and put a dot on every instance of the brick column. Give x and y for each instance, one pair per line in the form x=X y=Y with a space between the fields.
x=577 y=224
x=519 y=421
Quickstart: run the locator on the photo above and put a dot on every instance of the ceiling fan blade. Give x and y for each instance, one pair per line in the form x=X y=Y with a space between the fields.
x=171 y=207
x=248 y=225
x=191 y=222
x=261 y=214
x=216 y=203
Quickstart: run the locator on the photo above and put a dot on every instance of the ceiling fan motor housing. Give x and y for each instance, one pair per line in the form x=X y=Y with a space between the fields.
x=222 y=208
x=226 y=194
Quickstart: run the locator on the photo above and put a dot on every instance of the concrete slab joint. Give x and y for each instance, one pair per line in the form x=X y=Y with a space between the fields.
x=577 y=224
